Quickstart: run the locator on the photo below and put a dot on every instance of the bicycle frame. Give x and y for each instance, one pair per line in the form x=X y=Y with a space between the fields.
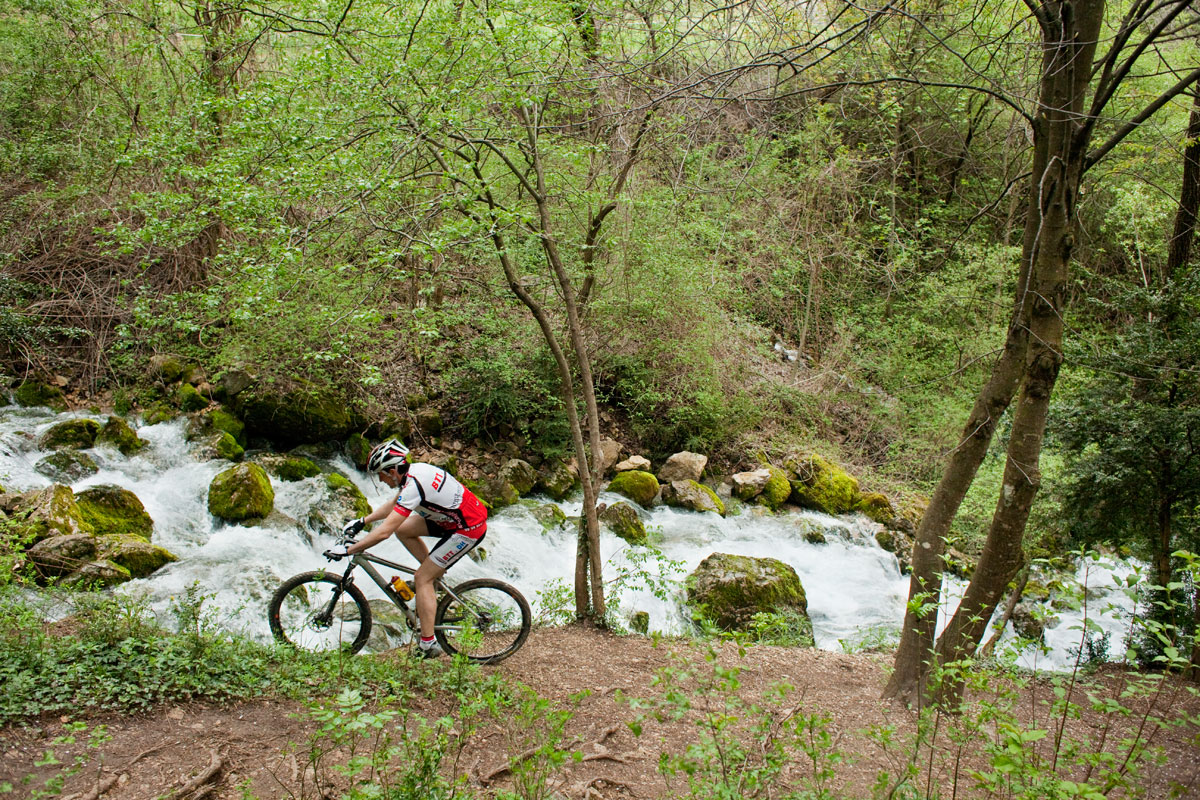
x=366 y=560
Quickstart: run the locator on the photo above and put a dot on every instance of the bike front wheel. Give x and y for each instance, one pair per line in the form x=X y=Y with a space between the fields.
x=313 y=611
x=484 y=619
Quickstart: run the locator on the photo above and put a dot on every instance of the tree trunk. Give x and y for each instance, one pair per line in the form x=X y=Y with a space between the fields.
x=1179 y=249
x=1071 y=31
x=1031 y=359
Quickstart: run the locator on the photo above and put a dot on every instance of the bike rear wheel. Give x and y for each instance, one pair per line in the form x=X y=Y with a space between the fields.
x=485 y=619
x=312 y=611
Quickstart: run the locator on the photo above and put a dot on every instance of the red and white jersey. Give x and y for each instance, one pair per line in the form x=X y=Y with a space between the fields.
x=442 y=500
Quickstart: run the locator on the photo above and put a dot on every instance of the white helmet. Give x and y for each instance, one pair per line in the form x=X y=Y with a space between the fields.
x=387 y=455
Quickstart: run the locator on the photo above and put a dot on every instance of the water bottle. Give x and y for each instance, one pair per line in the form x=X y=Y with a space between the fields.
x=401 y=587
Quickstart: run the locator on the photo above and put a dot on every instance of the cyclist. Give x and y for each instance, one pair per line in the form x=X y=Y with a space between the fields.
x=427 y=495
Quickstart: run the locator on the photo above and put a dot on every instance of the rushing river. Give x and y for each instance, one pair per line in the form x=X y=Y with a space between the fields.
x=856 y=593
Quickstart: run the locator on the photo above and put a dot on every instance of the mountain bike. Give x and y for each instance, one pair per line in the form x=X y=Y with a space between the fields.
x=484 y=619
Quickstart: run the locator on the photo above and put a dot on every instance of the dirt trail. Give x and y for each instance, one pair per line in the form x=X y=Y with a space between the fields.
x=196 y=750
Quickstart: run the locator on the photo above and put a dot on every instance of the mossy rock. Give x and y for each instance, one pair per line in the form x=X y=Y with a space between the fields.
x=56 y=556
x=288 y=467
x=297 y=414
x=886 y=540
x=823 y=486
x=730 y=589
x=159 y=412
x=640 y=622
x=498 y=493
x=135 y=554
x=348 y=493
x=358 y=450
x=241 y=494
x=67 y=466
x=640 y=487
x=97 y=575
x=166 y=368
x=429 y=421
x=749 y=485
x=49 y=512
x=189 y=399
x=877 y=507
x=114 y=511
x=692 y=496
x=520 y=474
x=548 y=515
x=557 y=480
x=623 y=520
x=79 y=434
x=218 y=445
x=117 y=433
x=35 y=393
x=777 y=490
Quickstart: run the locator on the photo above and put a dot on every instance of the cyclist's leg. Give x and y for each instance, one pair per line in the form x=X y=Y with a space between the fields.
x=448 y=550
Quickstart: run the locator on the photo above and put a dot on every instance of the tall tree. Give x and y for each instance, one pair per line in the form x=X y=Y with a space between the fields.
x=1064 y=124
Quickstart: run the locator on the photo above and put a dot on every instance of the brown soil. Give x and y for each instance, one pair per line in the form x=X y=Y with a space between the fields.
x=261 y=747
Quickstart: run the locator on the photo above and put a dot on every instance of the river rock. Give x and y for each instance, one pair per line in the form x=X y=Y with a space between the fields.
x=50 y=512
x=358 y=450
x=189 y=399
x=117 y=433
x=287 y=467
x=67 y=466
x=167 y=368
x=347 y=500
x=633 y=462
x=729 y=589
x=1028 y=623
x=96 y=575
x=683 y=466
x=822 y=485
x=218 y=445
x=558 y=479
x=520 y=474
x=623 y=520
x=691 y=495
x=135 y=554
x=60 y=555
x=112 y=510
x=242 y=493
x=429 y=421
x=877 y=507
x=78 y=434
x=548 y=515
x=296 y=413
x=640 y=487
x=35 y=393
x=610 y=454
x=749 y=485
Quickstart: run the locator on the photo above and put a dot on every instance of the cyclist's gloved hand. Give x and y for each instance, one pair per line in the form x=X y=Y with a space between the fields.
x=337 y=552
x=353 y=527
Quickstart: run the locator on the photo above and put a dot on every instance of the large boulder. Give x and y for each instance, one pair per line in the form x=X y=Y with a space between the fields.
x=823 y=486
x=729 y=590
x=60 y=555
x=692 y=496
x=117 y=433
x=358 y=450
x=134 y=554
x=114 y=511
x=520 y=474
x=347 y=498
x=78 y=434
x=684 y=466
x=241 y=494
x=548 y=515
x=36 y=393
x=287 y=467
x=777 y=491
x=67 y=466
x=623 y=520
x=640 y=487
x=50 y=512
x=558 y=479
x=291 y=415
